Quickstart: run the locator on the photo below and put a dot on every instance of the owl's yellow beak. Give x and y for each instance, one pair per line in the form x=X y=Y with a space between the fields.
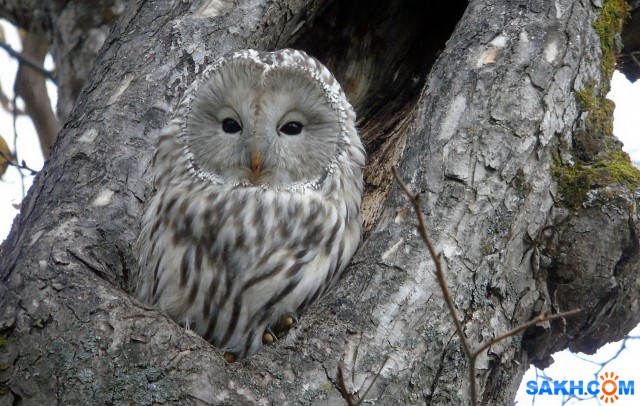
x=256 y=162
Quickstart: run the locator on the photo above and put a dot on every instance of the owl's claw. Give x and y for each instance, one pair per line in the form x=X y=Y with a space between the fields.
x=285 y=323
x=279 y=329
x=269 y=336
x=294 y=318
x=230 y=357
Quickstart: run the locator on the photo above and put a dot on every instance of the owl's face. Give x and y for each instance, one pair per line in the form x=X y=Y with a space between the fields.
x=255 y=122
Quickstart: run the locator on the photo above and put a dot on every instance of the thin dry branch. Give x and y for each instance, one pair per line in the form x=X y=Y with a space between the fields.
x=23 y=165
x=28 y=62
x=422 y=228
x=344 y=392
x=8 y=105
x=442 y=281
x=541 y=318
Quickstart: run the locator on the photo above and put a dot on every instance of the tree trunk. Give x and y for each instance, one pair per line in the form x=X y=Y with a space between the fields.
x=493 y=112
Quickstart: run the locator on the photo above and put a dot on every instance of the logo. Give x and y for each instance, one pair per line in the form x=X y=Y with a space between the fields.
x=608 y=387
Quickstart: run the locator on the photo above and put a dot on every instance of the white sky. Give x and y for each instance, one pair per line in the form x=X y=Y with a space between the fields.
x=28 y=147
x=566 y=366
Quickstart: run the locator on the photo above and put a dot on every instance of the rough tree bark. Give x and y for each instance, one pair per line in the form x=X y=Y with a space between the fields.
x=504 y=132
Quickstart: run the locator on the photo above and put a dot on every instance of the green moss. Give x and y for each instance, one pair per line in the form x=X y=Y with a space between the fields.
x=599 y=121
x=326 y=387
x=599 y=159
x=574 y=182
x=486 y=249
x=608 y=26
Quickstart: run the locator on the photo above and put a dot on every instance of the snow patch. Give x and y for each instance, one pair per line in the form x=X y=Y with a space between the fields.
x=103 y=198
x=499 y=42
x=392 y=250
x=35 y=237
x=213 y=8
x=551 y=51
x=128 y=78
x=448 y=250
x=559 y=10
x=451 y=120
x=88 y=136
x=63 y=229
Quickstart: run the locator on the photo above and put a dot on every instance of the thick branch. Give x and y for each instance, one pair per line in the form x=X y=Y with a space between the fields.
x=31 y=87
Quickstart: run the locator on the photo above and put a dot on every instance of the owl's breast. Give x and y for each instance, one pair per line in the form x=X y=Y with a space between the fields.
x=231 y=260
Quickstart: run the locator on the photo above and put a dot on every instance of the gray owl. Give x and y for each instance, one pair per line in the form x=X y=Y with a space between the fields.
x=257 y=210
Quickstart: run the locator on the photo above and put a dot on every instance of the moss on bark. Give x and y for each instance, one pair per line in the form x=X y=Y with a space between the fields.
x=599 y=159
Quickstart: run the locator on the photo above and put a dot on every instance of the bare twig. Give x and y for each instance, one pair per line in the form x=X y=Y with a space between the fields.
x=466 y=346
x=344 y=392
x=541 y=318
x=26 y=61
x=422 y=228
x=7 y=104
x=22 y=165
x=375 y=378
x=15 y=142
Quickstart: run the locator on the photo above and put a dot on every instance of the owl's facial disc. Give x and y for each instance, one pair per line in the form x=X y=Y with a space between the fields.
x=268 y=126
x=301 y=129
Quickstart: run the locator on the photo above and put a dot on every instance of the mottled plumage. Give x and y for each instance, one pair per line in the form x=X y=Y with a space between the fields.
x=257 y=210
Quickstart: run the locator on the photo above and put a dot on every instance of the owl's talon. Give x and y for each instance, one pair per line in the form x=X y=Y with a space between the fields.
x=288 y=320
x=230 y=357
x=269 y=336
x=285 y=323
x=294 y=318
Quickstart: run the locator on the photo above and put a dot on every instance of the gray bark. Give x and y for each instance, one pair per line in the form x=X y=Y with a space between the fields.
x=476 y=134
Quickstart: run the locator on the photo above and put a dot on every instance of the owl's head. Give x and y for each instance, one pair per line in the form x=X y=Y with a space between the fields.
x=269 y=119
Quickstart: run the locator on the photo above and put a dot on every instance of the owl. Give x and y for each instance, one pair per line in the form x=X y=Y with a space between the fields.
x=259 y=180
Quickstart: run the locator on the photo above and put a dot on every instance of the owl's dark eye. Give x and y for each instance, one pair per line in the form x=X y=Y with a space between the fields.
x=230 y=126
x=291 y=128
